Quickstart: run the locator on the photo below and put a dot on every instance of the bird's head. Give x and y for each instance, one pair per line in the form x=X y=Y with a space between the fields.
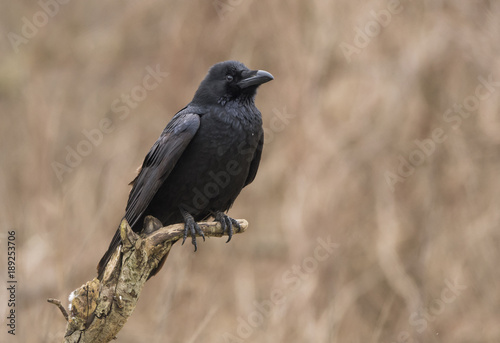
x=230 y=81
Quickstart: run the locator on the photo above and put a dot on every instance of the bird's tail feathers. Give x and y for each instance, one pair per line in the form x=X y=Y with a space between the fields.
x=115 y=242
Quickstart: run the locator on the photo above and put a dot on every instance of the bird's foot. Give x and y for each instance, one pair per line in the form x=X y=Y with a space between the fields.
x=192 y=227
x=227 y=223
x=151 y=224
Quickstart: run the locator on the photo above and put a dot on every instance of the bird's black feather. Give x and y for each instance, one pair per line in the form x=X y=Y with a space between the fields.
x=206 y=154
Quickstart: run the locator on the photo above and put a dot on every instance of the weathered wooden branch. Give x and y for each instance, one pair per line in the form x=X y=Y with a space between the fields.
x=99 y=309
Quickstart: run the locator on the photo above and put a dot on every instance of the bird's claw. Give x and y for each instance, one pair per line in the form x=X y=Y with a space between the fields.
x=191 y=226
x=227 y=223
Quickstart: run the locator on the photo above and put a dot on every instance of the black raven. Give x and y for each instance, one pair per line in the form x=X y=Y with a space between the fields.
x=208 y=152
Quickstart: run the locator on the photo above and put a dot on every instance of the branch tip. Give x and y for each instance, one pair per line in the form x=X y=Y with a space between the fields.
x=57 y=302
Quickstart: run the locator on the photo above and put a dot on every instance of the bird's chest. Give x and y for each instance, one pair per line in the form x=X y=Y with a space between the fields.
x=221 y=139
x=214 y=167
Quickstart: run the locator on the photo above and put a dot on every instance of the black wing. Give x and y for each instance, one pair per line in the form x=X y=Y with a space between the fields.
x=254 y=165
x=155 y=169
x=159 y=162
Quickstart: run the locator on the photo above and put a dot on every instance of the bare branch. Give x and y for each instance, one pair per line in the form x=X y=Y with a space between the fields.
x=100 y=308
x=57 y=302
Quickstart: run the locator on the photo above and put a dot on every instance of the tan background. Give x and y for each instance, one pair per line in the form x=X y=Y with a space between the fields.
x=413 y=262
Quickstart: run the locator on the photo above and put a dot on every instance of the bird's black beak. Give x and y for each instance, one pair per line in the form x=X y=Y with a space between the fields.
x=255 y=78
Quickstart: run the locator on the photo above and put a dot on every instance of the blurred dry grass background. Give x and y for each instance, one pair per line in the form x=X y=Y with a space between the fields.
x=323 y=173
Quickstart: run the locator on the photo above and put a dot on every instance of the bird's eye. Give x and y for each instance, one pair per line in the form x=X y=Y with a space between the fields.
x=229 y=78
